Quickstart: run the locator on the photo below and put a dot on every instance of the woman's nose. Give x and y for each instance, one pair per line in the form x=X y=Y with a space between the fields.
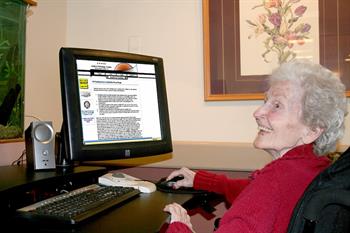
x=259 y=112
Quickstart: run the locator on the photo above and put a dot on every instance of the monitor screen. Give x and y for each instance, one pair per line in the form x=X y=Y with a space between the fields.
x=114 y=105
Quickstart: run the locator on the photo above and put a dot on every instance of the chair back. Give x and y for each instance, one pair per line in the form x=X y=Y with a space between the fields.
x=325 y=204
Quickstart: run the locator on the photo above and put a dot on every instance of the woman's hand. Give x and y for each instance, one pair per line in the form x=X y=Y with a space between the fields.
x=188 y=177
x=178 y=214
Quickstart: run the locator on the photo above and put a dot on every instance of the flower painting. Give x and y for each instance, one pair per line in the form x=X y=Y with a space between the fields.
x=281 y=24
x=244 y=40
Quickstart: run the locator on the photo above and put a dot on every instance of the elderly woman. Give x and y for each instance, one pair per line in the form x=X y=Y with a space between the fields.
x=299 y=123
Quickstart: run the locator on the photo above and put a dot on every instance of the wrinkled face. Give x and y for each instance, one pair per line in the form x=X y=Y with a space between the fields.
x=279 y=120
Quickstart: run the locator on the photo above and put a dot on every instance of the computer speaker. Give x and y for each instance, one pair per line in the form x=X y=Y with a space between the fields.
x=40 y=145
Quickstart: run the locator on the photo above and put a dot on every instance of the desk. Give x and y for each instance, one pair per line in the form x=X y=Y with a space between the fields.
x=142 y=214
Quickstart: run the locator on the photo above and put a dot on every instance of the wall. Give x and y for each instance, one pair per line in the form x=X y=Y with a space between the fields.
x=46 y=33
x=171 y=29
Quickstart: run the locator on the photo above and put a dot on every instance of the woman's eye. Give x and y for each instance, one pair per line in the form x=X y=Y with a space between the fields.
x=277 y=105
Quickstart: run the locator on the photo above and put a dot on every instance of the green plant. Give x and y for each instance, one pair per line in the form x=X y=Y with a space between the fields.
x=7 y=132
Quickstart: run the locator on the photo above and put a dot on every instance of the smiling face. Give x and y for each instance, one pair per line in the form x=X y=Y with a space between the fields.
x=279 y=120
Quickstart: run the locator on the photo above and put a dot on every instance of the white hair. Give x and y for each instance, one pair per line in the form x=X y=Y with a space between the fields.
x=324 y=103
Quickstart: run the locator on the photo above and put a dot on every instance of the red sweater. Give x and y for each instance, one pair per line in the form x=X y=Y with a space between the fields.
x=264 y=202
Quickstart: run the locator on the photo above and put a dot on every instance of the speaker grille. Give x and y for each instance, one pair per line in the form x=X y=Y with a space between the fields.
x=43 y=133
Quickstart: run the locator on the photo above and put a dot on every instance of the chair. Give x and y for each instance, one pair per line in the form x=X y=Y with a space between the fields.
x=325 y=204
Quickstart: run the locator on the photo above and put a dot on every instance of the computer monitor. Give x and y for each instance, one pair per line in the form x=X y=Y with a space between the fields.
x=114 y=105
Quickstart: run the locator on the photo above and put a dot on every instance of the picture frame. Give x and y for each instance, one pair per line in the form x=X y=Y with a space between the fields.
x=222 y=59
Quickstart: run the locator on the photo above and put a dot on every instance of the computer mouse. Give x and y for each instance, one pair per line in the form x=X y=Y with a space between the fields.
x=166 y=186
x=172 y=181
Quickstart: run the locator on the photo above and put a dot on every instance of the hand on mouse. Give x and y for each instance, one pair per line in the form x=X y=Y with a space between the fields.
x=178 y=214
x=188 y=177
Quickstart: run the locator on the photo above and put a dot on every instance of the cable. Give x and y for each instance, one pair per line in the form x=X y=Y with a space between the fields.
x=37 y=118
x=20 y=159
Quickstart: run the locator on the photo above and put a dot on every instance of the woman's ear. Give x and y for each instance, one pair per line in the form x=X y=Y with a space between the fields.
x=312 y=134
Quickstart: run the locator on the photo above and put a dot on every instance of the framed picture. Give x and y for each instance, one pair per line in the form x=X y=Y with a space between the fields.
x=245 y=40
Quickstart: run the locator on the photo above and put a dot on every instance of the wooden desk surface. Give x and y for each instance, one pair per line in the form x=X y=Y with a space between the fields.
x=14 y=177
x=142 y=214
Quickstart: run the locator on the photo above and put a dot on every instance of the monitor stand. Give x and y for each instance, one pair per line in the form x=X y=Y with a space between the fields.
x=63 y=163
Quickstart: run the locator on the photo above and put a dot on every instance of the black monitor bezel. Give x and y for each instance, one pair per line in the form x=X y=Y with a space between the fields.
x=72 y=127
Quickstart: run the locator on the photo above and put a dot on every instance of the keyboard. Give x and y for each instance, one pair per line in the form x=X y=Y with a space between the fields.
x=77 y=205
